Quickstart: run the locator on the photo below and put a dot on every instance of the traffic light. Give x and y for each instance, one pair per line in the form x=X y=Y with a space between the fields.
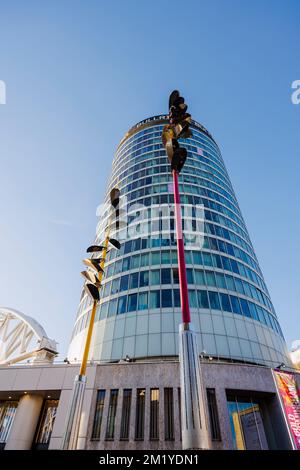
x=178 y=128
x=92 y=291
x=178 y=116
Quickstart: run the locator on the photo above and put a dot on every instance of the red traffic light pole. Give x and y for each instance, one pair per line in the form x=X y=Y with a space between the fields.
x=184 y=297
x=193 y=402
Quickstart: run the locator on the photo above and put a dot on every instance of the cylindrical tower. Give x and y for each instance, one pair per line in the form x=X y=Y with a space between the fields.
x=138 y=318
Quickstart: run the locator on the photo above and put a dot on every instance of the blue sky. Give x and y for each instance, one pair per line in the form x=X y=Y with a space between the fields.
x=80 y=73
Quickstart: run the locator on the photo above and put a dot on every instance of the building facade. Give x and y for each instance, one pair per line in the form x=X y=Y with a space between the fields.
x=139 y=314
x=132 y=397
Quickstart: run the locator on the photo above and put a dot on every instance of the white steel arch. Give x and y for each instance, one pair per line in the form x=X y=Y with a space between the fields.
x=22 y=337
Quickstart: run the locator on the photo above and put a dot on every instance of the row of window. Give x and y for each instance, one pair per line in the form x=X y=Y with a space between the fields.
x=162 y=232
x=158 y=166
x=153 y=404
x=158 y=150
x=195 y=258
x=214 y=191
x=198 y=277
x=170 y=298
x=156 y=163
x=125 y=153
x=200 y=197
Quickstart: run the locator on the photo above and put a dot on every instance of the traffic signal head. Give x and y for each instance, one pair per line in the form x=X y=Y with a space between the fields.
x=92 y=291
x=94 y=248
x=179 y=158
x=94 y=263
x=115 y=243
x=179 y=118
x=91 y=277
x=115 y=197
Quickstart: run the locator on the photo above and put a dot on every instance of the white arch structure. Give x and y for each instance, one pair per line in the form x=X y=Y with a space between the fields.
x=22 y=337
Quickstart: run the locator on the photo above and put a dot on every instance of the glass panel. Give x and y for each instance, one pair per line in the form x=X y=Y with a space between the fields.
x=7 y=413
x=132 y=302
x=98 y=414
x=155 y=277
x=47 y=422
x=126 y=407
x=110 y=428
x=166 y=276
x=202 y=299
x=154 y=413
x=140 y=413
x=169 y=414
x=246 y=425
x=155 y=299
x=143 y=301
x=144 y=278
x=166 y=298
x=122 y=304
x=213 y=414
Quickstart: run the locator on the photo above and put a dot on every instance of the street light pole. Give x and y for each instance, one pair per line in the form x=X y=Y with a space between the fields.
x=71 y=433
x=193 y=400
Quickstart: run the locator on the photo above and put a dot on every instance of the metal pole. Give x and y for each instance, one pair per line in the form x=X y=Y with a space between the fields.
x=70 y=438
x=193 y=412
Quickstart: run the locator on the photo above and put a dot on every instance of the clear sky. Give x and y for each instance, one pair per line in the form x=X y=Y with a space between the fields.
x=80 y=73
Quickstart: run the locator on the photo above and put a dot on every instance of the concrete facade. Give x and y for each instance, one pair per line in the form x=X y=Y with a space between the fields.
x=41 y=382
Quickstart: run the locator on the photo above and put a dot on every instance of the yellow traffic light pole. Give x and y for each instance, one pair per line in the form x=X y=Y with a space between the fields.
x=70 y=437
x=94 y=309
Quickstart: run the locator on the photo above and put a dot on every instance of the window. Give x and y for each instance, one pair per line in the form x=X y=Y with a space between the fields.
x=225 y=302
x=166 y=276
x=145 y=259
x=115 y=286
x=122 y=305
x=154 y=413
x=7 y=413
x=165 y=257
x=143 y=301
x=144 y=278
x=199 y=278
x=112 y=307
x=175 y=275
x=210 y=278
x=126 y=407
x=176 y=297
x=169 y=414
x=246 y=423
x=155 y=277
x=124 y=283
x=132 y=302
x=155 y=299
x=110 y=428
x=220 y=280
x=192 y=299
x=214 y=300
x=236 y=308
x=189 y=276
x=98 y=414
x=135 y=261
x=166 y=298
x=46 y=424
x=202 y=299
x=134 y=281
x=213 y=414
x=140 y=414
x=245 y=307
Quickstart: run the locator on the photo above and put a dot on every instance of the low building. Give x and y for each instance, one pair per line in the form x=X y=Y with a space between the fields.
x=136 y=405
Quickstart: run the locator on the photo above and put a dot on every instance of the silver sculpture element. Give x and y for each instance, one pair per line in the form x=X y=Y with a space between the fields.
x=23 y=338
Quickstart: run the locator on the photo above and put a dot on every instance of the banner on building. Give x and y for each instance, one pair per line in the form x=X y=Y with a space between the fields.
x=290 y=399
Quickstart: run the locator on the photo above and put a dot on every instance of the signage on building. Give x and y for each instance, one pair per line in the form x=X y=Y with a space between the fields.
x=290 y=399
